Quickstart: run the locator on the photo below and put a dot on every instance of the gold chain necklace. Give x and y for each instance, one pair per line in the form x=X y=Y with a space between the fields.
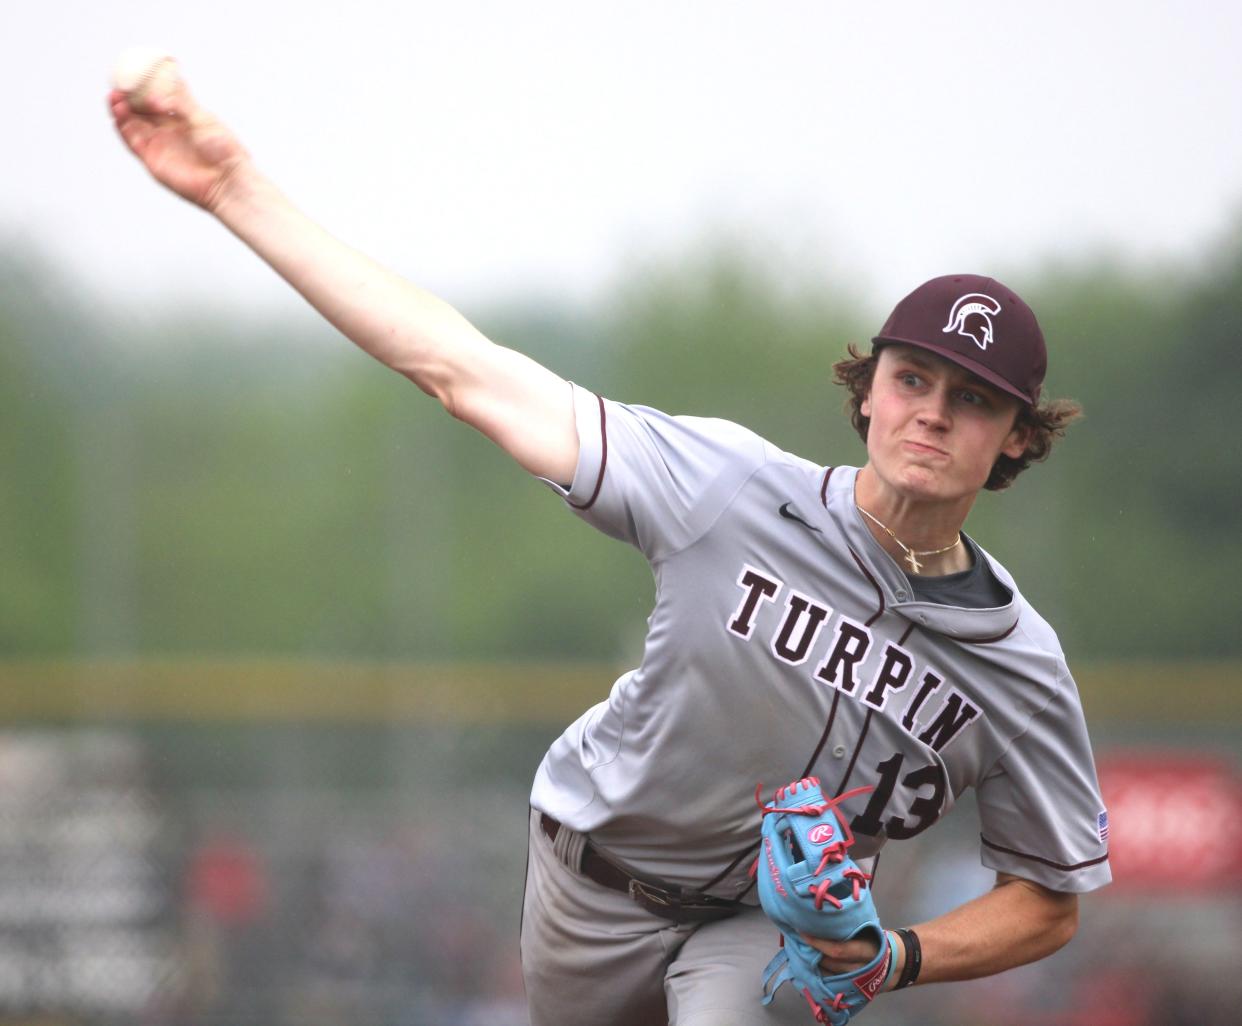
x=911 y=556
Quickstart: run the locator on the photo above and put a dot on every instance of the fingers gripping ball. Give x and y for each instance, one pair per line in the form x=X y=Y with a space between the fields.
x=808 y=884
x=146 y=76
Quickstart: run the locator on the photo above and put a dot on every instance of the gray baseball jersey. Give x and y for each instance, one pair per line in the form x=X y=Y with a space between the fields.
x=784 y=639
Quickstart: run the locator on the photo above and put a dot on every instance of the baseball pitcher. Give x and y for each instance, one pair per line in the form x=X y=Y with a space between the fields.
x=828 y=634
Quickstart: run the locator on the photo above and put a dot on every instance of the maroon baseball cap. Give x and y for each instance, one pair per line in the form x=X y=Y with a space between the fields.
x=978 y=324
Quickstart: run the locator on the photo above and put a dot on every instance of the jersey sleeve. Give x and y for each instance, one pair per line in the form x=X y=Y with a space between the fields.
x=655 y=480
x=1040 y=809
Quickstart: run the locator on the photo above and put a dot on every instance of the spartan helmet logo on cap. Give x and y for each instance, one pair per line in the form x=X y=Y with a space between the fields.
x=972 y=316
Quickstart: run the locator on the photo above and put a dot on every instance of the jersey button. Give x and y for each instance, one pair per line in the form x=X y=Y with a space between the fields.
x=839 y=751
x=902 y=596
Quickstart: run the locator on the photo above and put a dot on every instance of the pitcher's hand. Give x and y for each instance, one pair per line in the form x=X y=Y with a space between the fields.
x=184 y=147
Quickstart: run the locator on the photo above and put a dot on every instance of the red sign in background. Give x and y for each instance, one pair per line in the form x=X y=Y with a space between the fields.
x=1174 y=816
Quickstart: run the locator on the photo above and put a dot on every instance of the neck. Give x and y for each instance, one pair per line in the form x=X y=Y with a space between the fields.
x=920 y=525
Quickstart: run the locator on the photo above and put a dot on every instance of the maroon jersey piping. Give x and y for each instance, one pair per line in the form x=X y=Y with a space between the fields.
x=603 y=458
x=878 y=593
x=1040 y=858
x=823 y=491
x=988 y=641
x=862 y=736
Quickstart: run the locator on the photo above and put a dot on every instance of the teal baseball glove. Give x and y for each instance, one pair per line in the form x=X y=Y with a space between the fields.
x=808 y=884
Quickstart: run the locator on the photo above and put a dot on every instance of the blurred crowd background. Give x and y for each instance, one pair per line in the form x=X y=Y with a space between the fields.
x=282 y=643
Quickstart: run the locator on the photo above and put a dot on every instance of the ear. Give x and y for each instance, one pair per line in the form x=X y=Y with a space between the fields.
x=865 y=406
x=1016 y=441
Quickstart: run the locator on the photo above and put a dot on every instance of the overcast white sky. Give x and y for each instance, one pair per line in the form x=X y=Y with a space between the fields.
x=487 y=148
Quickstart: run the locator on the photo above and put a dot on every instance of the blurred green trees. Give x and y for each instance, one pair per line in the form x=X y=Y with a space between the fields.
x=198 y=483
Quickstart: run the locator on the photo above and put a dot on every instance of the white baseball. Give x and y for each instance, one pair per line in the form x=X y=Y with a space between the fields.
x=146 y=76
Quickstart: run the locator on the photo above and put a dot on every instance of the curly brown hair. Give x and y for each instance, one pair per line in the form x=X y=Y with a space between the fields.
x=1045 y=422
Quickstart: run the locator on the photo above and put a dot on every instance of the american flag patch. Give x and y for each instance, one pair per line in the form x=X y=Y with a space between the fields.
x=1101 y=822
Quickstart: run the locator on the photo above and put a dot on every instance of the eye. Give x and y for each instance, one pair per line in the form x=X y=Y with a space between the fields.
x=909 y=378
x=973 y=398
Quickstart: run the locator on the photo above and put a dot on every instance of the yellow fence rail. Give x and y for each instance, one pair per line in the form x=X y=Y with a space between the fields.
x=275 y=691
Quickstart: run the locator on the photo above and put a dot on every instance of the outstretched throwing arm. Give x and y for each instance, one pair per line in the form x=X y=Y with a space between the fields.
x=523 y=407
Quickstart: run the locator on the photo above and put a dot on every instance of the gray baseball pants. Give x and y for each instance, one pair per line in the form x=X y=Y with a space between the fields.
x=592 y=957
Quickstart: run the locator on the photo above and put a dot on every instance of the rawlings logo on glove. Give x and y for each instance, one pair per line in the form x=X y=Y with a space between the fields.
x=811 y=886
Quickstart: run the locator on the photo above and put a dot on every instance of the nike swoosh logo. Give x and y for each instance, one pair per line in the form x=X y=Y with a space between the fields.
x=789 y=514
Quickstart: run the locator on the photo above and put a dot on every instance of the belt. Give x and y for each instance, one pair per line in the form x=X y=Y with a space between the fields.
x=662 y=899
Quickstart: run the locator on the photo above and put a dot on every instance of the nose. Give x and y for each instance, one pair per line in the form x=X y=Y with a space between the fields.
x=934 y=413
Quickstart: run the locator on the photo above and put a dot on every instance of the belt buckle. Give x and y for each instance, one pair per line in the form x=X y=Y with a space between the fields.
x=676 y=906
x=646 y=894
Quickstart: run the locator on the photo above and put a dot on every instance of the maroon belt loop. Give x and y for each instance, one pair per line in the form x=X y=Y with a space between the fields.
x=668 y=901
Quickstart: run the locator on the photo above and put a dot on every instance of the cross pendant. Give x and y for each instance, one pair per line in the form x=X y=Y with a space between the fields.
x=915 y=565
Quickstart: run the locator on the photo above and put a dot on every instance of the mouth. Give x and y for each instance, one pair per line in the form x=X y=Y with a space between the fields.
x=923 y=449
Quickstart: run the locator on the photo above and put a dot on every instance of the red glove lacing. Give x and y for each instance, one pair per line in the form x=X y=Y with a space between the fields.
x=834 y=852
x=837 y=1004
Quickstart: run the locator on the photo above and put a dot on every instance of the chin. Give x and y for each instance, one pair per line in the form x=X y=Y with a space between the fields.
x=928 y=485
x=918 y=478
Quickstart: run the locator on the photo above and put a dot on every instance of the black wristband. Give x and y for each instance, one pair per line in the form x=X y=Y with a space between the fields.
x=914 y=958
